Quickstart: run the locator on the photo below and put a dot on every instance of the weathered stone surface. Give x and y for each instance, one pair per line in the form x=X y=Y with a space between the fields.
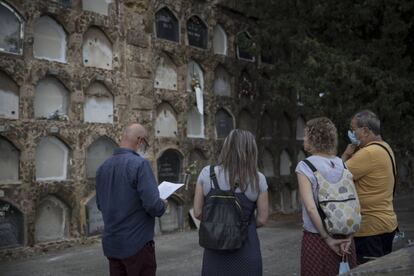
x=129 y=27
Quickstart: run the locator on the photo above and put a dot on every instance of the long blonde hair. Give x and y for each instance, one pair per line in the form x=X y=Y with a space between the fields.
x=238 y=157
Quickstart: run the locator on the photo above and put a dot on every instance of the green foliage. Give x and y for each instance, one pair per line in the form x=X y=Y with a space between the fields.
x=357 y=54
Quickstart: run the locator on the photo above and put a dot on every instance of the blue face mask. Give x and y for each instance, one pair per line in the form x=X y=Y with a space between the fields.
x=352 y=137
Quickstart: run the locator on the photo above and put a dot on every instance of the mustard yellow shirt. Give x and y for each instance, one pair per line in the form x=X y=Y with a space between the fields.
x=374 y=180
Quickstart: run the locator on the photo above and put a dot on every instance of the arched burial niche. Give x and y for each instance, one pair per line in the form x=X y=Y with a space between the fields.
x=285 y=127
x=9 y=161
x=222 y=82
x=285 y=163
x=11 y=226
x=245 y=46
x=51 y=99
x=99 y=104
x=97 y=153
x=166 y=25
x=94 y=220
x=224 y=123
x=166 y=122
x=195 y=124
x=194 y=73
x=165 y=74
x=51 y=159
x=268 y=164
x=197 y=32
x=11 y=30
x=96 y=49
x=9 y=98
x=169 y=166
x=301 y=156
x=52 y=220
x=300 y=128
x=49 y=40
x=98 y=6
x=219 y=41
x=246 y=121
x=266 y=126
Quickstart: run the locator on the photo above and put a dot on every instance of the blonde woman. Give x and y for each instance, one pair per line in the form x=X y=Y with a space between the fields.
x=237 y=164
x=320 y=253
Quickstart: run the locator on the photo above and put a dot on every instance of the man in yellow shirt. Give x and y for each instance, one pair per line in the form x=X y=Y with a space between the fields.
x=371 y=161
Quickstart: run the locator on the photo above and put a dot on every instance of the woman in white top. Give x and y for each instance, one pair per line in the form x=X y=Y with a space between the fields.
x=320 y=253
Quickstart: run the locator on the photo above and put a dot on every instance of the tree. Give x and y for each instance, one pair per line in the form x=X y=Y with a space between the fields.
x=341 y=57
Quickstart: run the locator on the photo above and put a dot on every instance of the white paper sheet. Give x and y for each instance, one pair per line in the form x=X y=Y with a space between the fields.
x=167 y=188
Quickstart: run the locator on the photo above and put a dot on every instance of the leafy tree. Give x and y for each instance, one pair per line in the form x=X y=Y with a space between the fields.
x=341 y=57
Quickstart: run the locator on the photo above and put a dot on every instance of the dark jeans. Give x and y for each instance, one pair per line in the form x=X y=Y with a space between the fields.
x=370 y=247
x=141 y=264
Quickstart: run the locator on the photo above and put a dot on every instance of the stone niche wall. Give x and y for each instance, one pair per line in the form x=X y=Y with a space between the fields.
x=74 y=73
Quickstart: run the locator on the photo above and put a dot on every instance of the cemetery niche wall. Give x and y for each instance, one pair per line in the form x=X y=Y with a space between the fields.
x=69 y=87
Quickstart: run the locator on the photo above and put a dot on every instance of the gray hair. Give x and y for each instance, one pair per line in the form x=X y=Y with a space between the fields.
x=238 y=157
x=367 y=118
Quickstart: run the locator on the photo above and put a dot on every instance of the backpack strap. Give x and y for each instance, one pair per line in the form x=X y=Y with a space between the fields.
x=394 y=169
x=318 y=206
x=213 y=178
x=310 y=165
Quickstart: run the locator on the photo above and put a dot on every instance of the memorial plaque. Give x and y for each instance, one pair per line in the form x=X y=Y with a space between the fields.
x=166 y=25
x=94 y=220
x=11 y=226
x=224 y=123
x=197 y=32
x=169 y=166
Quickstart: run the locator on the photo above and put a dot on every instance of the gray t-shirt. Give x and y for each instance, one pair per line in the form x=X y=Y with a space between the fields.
x=330 y=168
x=204 y=180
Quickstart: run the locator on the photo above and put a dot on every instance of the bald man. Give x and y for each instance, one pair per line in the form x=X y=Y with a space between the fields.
x=128 y=197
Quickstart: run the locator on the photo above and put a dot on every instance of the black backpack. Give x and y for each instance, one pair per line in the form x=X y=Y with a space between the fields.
x=222 y=226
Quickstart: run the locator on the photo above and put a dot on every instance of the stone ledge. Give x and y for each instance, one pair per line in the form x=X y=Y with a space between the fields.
x=399 y=262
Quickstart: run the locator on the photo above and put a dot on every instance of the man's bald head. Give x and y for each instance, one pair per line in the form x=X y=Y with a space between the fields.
x=131 y=134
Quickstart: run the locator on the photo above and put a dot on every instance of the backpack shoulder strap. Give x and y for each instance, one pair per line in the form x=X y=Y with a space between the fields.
x=394 y=169
x=310 y=165
x=213 y=178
